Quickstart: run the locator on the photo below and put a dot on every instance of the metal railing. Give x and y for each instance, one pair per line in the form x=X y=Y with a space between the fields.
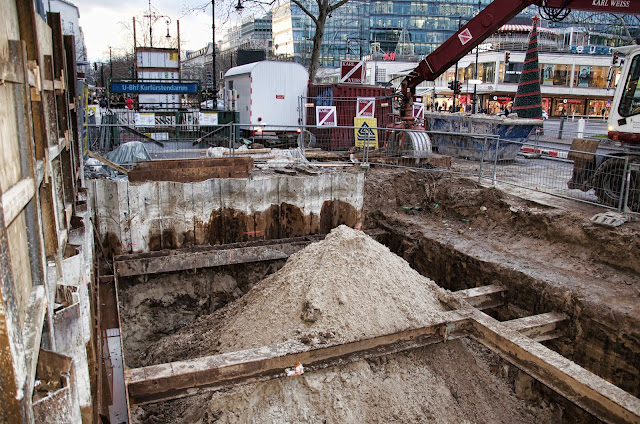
x=530 y=165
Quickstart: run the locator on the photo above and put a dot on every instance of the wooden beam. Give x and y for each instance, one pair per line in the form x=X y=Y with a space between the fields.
x=108 y=162
x=484 y=297
x=593 y=394
x=539 y=327
x=186 y=378
x=32 y=332
x=16 y=198
x=209 y=256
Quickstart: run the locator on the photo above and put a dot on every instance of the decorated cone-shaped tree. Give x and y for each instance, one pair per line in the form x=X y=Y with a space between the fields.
x=528 y=102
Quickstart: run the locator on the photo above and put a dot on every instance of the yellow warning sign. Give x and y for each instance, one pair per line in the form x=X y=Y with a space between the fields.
x=366 y=132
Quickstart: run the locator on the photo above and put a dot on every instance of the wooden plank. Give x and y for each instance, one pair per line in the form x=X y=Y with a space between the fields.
x=540 y=327
x=590 y=392
x=187 y=175
x=16 y=198
x=185 y=378
x=107 y=162
x=194 y=163
x=483 y=297
x=238 y=153
x=181 y=260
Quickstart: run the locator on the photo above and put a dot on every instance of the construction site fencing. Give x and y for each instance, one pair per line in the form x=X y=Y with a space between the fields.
x=165 y=135
x=483 y=156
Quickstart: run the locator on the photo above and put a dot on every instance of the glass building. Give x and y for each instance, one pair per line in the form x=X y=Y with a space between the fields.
x=346 y=33
x=410 y=29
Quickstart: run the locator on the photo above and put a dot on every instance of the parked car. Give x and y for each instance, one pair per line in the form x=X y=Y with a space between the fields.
x=209 y=104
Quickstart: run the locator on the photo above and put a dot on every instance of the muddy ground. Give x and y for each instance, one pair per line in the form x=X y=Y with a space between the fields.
x=155 y=306
x=543 y=249
x=460 y=234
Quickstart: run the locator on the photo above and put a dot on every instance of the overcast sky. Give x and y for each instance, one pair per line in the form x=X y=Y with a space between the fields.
x=108 y=23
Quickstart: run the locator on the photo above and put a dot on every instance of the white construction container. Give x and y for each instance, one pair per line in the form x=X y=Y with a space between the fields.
x=267 y=94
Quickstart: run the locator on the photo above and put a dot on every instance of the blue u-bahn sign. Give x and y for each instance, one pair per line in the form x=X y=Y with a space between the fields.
x=155 y=87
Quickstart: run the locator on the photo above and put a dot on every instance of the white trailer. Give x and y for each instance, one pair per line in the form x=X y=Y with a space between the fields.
x=268 y=95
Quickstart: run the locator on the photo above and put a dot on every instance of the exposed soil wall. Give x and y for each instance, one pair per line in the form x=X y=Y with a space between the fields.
x=153 y=307
x=550 y=259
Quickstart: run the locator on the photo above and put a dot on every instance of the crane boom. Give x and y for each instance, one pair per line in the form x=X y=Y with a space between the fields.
x=487 y=22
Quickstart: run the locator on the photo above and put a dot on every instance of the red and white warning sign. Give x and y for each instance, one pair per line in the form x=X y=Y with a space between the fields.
x=352 y=71
x=365 y=107
x=418 y=110
x=465 y=36
x=326 y=116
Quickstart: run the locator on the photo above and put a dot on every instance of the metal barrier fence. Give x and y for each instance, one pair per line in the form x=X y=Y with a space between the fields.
x=485 y=156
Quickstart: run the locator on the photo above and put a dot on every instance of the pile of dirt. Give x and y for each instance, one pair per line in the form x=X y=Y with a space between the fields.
x=445 y=383
x=344 y=288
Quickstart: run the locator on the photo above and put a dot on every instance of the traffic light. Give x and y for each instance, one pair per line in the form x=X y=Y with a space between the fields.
x=452 y=85
x=95 y=66
x=458 y=88
x=507 y=56
x=616 y=57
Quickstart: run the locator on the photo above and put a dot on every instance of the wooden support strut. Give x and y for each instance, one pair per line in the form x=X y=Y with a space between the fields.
x=212 y=256
x=484 y=297
x=185 y=378
x=593 y=394
x=590 y=392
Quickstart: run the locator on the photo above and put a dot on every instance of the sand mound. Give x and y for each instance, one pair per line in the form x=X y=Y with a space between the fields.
x=344 y=288
x=444 y=383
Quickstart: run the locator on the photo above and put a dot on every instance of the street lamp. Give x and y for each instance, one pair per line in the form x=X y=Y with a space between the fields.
x=153 y=18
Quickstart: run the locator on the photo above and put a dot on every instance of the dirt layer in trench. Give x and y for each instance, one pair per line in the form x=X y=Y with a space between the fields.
x=155 y=306
x=543 y=249
x=461 y=234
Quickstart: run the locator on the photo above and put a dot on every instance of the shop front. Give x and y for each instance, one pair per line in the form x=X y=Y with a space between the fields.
x=497 y=103
x=567 y=107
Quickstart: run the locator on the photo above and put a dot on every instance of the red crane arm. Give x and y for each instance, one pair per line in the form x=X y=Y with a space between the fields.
x=478 y=29
x=488 y=21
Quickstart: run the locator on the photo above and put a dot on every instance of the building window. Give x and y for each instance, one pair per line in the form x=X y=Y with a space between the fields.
x=555 y=74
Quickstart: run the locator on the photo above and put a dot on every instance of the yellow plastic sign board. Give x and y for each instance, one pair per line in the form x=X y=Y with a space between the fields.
x=366 y=132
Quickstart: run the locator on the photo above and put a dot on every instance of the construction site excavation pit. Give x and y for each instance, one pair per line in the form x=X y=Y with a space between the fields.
x=536 y=258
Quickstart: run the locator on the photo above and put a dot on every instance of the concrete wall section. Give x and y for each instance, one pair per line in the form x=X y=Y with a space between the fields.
x=159 y=215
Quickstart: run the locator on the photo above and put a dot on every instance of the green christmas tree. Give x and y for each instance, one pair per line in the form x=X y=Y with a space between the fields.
x=528 y=102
